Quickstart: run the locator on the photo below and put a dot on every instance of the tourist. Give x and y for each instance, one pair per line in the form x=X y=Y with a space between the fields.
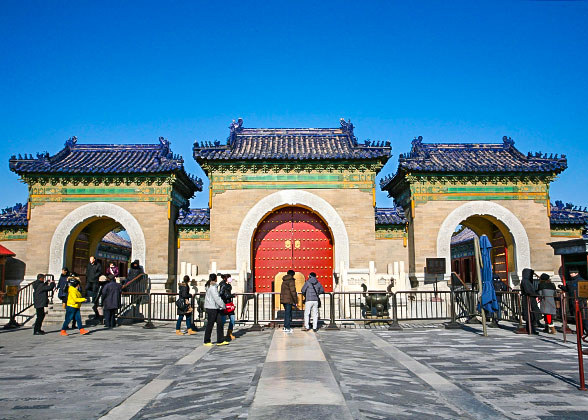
x=98 y=306
x=528 y=295
x=135 y=271
x=93 y=272
x=500 y=287
x=288 y=297
x=546 y=290
x=72 y=310
x=214 y=306
x=112 y=269
x=62 y=286
x=41 y=291
x=225 y=290
x=311 y=291
x=110 y=301
x=185 y=308
x=571 y=289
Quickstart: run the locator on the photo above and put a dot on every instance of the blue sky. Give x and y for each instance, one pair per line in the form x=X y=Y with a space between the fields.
x=129 y=72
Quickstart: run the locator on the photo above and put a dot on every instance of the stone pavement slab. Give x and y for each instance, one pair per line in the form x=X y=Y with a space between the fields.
x=425 y=373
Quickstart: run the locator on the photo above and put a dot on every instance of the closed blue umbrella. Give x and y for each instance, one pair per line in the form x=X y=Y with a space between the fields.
x=488 y=299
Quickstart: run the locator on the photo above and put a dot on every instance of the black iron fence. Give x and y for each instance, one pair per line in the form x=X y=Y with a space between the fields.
x=16 y=308
x=359 y=308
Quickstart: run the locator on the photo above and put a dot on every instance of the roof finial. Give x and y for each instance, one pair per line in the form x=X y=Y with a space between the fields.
x=508 y=142
x=236 y=126
x=71 y=141
x=347 y=126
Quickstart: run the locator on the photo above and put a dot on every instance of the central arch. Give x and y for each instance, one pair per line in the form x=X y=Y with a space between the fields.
x=92 y=211
x=522 y=249
x=293 y=198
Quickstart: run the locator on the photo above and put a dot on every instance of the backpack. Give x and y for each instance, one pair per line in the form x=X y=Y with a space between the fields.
x=63 y=292
x=183 y=306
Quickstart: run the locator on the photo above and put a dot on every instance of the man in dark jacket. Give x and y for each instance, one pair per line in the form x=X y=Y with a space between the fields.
x=311 y=291
x=41 y=301
x=288 y=297
x=528 y=290
x=135 y=270
x=93 y=272
x=110 y=301
x=571 y=289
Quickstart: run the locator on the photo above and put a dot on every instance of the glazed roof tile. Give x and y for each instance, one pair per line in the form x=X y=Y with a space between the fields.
x=474 y=158
x=194 y=217
x=568 y=214
x=390 y=216
x=291 y=144
x=464 y=235
x=14 y=216
x=77 y=158
x=115 y=239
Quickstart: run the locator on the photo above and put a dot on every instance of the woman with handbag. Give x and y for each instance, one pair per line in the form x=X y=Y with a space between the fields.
x=311 y=291
x=225 y=291
x=185 y=308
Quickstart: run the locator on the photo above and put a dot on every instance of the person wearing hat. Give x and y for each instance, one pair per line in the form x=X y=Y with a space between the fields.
x=72 y=310
x=546 y=290
x=571 y=289
x=41 y=290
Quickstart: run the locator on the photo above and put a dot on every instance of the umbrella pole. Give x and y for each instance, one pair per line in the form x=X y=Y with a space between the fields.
x=479 y=274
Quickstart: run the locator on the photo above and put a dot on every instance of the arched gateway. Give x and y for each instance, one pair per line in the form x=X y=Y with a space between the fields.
x=292 y=238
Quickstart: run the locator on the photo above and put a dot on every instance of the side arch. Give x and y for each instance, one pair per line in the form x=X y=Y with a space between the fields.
x=292 y=197
x=85 y=212
x=522 y=248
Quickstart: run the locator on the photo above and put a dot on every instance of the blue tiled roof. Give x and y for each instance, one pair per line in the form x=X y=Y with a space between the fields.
x=291 y=144
x=475 y=158
x=194 y=217
x=390 y=216
x=568 y=214
x=104 y=159
x=14 y=216
x=464 y=235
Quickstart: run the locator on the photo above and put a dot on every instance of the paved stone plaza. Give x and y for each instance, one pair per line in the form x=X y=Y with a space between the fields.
x=422 y=372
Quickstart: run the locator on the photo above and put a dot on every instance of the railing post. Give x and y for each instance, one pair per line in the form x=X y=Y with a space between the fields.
x=564 y=315
x=12 y=324
x=255 y=326
x=453 y=324
x=149 y=325
x=332 y=325
x=579 y=330
x=395 y=326
x=529 y=320
x=472 y=316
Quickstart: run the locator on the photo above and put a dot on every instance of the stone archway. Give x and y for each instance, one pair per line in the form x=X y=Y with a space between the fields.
x=522 y=248
x=88 y=211
x=293 y=198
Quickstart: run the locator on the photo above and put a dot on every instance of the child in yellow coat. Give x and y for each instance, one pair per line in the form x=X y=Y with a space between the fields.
x=72 y=310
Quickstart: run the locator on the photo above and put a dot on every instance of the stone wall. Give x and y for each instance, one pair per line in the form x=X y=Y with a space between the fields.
x=152 y=218
x=354 y=207
x=431 y=215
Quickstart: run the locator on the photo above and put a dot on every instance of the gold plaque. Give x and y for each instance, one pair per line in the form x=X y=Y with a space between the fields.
x=297 y=244
x=288 y=244
x=583 y=289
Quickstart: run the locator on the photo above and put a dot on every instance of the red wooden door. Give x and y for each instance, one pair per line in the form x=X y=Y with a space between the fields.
x=292 y=238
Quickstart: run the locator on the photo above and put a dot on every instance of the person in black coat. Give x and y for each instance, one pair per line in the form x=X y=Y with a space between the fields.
x=135 y=270
x=571 y=289
x=93 y=272
x=110 y=301
x=225 y=290
x=41 y=291
x=185 y=309
x=528 y=290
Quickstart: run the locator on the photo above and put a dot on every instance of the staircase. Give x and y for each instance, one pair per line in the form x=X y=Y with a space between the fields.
x=56 y=313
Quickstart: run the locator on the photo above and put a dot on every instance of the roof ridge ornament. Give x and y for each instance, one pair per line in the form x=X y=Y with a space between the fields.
x=347 y=126
x=71 y=141
x=508 y=142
